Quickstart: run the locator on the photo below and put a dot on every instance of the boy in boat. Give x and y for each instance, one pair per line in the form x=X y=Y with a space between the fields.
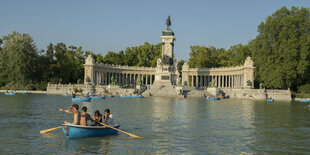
x=85 y=117
x=74 y=109
x=108 y=117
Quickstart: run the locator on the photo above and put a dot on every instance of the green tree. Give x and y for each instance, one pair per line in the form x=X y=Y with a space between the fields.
x=17 y=61
x=69 y=63
x=204 y=57
x=50 y=52
x=144 y=55
x=281 y=49
x=237 y=54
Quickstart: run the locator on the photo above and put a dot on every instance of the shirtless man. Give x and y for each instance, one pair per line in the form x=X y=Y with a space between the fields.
x=85 y=117
x=74 y=109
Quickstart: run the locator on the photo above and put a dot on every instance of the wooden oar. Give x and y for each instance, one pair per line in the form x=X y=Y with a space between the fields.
x=48 y=130
x=132 y=135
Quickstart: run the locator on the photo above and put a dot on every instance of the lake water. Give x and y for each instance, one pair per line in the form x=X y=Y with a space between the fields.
x=168 y=125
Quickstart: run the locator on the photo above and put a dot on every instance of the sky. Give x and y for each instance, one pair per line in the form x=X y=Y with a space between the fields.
x=101 y=25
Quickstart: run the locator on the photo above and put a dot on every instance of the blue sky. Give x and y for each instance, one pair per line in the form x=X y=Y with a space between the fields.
x=102 y=26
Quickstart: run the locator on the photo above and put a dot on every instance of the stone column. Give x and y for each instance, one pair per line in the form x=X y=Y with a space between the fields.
x=232 y=81
x=237 y=80
x=228 y=81
x=151 y=79
x=98 y=77
x=103 y=78
x=110 y=75
x=242 y=81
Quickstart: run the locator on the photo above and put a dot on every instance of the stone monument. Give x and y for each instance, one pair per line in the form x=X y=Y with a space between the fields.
x=166 y=70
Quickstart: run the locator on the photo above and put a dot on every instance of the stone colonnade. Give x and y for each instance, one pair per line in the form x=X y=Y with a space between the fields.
x=104 y=77
x=220 y=81
x=103 y=74
x=223 y=77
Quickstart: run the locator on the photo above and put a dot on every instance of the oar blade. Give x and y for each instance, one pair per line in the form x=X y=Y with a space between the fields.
x=135 y=136
x=132 y=135
x=48 y=130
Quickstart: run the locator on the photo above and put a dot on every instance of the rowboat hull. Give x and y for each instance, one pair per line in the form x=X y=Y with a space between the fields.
x=9 y=93
x=270 y=100
x=304 y=100
x=98 y=97
x=78 y=131
x=81 y=99
x=131 y=96
x=25 y=93
x=215 y=98
x=65 y=95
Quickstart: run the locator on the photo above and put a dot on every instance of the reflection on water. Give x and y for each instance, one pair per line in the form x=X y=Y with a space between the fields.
x=169 y=126
x=101 y=145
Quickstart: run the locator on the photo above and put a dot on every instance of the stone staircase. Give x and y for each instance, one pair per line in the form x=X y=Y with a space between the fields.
x=193 y=92
x=162 y=91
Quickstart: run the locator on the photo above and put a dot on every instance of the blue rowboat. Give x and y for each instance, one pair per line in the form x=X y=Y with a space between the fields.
x=214 y=98
x=79 y=131
x=9 y=93
x=26 y=93
x=98 y=97
x=81 y=99
x=66 y=95
x=131 y=96
x=304 y=100
x=270 y=100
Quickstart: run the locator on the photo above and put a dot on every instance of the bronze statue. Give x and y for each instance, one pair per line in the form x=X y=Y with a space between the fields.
x=168 y=22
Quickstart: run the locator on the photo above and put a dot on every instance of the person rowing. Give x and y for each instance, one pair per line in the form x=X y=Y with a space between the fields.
x=74 y=109
x=98 y=118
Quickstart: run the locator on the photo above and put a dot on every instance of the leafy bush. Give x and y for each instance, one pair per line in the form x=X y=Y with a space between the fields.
x=304 y=88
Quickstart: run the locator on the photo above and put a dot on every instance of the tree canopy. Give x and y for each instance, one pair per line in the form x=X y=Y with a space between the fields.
x=17 y=60
x=281 y=51
x=144 y=55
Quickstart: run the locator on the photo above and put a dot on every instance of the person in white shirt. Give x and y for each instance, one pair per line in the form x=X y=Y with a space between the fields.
x=108 y=117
